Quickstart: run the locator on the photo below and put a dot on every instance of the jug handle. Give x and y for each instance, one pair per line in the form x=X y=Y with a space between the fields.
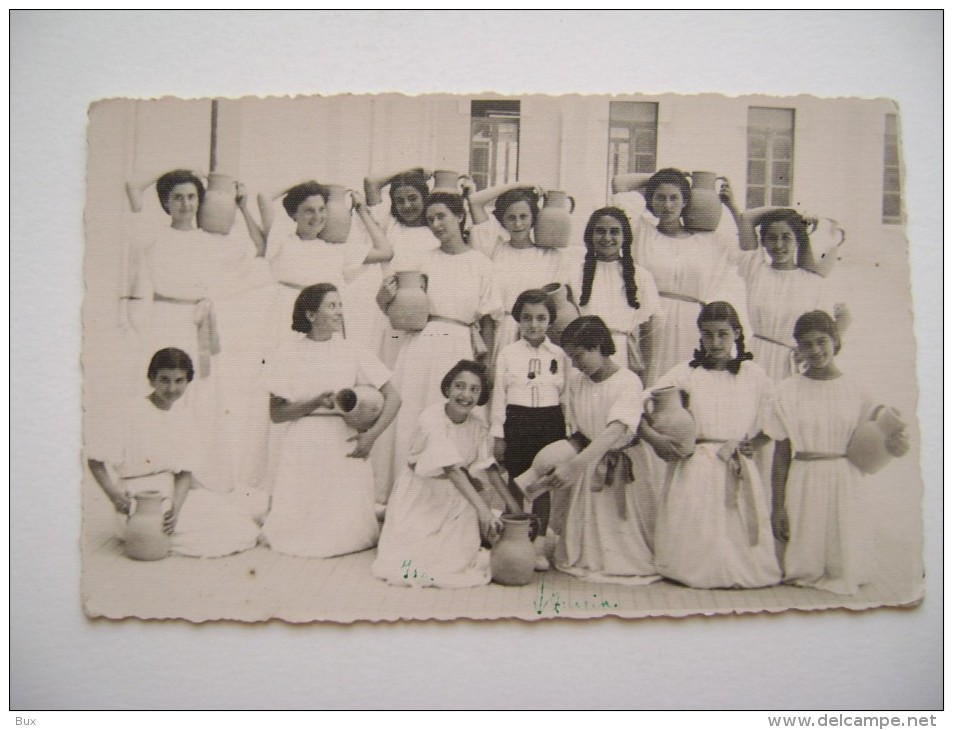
x=572 y=203
x=720 y=177
x=426 y=281
x=843 y=235
x=350 y=197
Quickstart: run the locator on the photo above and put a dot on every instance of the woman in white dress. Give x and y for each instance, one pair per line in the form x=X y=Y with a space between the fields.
x=322 y=501
x=464 y=308
x=507 y=240
x=611 y=286
x=821 y=507
x=690 y=268
x=436 y=517
x=714 y=521
x=405 y=228
x=606 y=535
x=151 y=446
x=779 y=291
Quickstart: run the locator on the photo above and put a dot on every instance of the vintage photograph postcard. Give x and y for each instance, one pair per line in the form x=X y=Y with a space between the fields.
x=385 y=357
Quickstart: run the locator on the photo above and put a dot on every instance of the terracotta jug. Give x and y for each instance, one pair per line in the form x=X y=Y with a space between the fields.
x=547 y=459
x=339 y=204
x=554 y=223
x=446 y=181
x=826 y=236
x=410 y=308
x=360 y=406
x=217 y=212
x=566 y=311
x=145 y=539
x=513 y=558
x=703 y=212
x=867 y=449
x=667 y=415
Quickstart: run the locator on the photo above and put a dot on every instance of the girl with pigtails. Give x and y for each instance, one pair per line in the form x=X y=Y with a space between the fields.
x=714 y=520
x=611 y=286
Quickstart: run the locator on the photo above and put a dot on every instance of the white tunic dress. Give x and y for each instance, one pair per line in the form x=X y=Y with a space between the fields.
x=431 y=535
x=776 y=299
x=146 y=446
x=714 y=530
x=607 y=533
x=322 y=500
x=608 y=301
x=827 y=505
x=688 y=272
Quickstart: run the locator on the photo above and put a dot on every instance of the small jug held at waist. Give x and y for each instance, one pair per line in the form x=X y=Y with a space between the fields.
x=144 y=538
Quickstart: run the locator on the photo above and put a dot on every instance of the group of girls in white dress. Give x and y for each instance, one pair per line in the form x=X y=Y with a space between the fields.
x=471 y=399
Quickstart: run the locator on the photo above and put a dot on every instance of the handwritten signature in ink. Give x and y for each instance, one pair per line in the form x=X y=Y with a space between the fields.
x=555 y=603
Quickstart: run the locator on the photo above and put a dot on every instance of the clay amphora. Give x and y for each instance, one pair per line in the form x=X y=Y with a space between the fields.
x=566 y=311
x=554 y=223
x=445 y=181
x=145 y=539
x=867 y=449
x=339 y=204
x=703 y=211
x=217 y=212
x=547 y=459
x=360 y=406
x=820 y=256
x=667 y=415
x=410 y=308
x=513 y=558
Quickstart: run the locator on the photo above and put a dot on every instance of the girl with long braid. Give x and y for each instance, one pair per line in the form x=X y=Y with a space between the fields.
x=714 y=521
x=612 y=286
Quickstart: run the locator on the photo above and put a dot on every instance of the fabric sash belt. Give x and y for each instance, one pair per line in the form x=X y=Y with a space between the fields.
x=209 y=343
x=476 y=339
x=817 y=456
x=739 y=489
x=681 y=297
x=615 y=468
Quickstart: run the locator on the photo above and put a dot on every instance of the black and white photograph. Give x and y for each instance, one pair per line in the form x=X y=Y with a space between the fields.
x=497 y=359
x=381 y=357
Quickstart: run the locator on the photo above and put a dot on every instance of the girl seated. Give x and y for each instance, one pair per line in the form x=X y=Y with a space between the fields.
x=436 y=516
x=153 y=450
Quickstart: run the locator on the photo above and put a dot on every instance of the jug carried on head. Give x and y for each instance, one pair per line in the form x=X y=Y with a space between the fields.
x=446 y=181
x=703 y=211
x=339 y=204
x=554 y=221
x=826 y=237
x=217 y=211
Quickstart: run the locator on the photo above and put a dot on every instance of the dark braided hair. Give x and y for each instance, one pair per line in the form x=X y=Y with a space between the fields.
x=628 y=264
x=721 y=312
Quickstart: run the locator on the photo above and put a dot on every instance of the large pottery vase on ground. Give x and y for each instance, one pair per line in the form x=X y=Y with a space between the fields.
x=145 y=539
x=703 y=212
x=554 y=222
x=867 y=449
x=513 y=558
x=217 y=212
x=410 y=307
x=667 y=414
x=339 y=203
x=566 y=311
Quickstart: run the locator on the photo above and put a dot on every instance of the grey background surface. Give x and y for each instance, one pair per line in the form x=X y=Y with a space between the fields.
x=60 y=62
